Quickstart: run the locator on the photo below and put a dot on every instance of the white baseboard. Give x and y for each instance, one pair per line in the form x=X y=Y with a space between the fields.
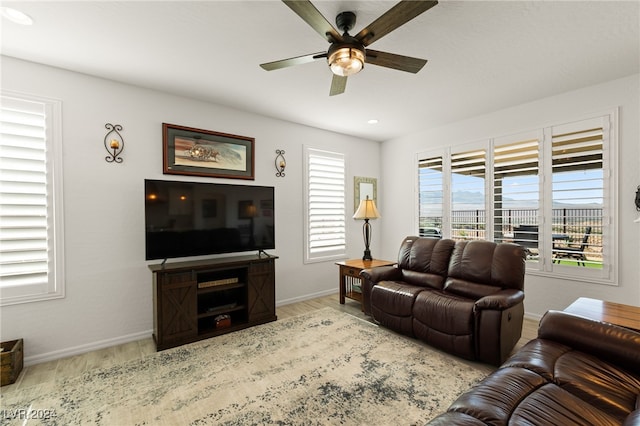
x=77 y=350
x=94 y=346
x=305 y=297
x=534 y=317
x=81 y=349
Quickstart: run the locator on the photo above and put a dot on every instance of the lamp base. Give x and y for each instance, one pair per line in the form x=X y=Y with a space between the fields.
x=367 y=255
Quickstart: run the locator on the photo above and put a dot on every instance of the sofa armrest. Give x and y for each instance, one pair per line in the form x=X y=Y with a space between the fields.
x=616 y=344
x=504 y=299
x=381 y=273
x=371 y=277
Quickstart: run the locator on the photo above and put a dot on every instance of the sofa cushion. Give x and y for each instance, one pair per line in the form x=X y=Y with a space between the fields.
x=444 y=312
x=395 y=298
x=539 y=356
x=392 y=305
x=617 y=345
x=488 y=263
x=552 y=405
x=425 y=255
x=445 y=321
x=495 y=398
x=423 y=279
x=598 y=382
x=469 y=289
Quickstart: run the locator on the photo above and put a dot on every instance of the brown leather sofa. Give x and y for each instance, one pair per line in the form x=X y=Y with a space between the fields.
x=463 y=297
x=577 y=372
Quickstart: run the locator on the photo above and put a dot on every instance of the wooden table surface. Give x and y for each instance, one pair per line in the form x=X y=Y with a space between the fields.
x=615 y=313
x=365 y=264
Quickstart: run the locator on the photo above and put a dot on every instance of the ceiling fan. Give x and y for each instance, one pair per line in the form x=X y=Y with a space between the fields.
x=347 y=54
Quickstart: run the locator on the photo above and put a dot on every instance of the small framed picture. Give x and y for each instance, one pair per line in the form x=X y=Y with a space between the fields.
x=197 y=152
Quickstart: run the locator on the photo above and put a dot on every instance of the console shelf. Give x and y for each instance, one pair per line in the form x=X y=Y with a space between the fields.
x=205 y=298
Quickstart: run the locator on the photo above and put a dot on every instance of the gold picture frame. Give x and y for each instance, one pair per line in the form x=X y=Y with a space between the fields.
x=363 y=187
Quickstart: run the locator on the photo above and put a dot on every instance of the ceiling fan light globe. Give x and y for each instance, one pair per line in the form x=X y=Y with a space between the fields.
x=346 y=61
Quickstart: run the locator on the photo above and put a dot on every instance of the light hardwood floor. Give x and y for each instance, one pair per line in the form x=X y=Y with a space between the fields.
x=47 y=372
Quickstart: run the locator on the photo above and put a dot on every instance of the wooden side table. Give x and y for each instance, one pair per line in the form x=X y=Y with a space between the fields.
x=350 y=282
x=615 y=313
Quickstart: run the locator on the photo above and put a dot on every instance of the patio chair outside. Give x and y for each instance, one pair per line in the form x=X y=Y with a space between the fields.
x=573 y=252
x=527 y=237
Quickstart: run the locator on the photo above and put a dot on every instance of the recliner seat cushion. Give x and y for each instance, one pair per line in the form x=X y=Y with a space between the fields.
x=445 y=321
x=395 y=298
x=598 y=382
x=447 y=313
x=552 y=405
x=392 y=305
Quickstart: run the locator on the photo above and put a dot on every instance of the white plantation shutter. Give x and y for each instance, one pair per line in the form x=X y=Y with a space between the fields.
x=578 y=189
x=431 y=201
x=516 y=191
x=325 y=207
x=468 y=171
x=27 y=220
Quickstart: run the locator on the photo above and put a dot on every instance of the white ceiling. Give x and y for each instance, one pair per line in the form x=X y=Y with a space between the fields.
x=483 y=56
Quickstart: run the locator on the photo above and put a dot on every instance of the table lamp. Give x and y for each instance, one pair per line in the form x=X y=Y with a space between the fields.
x=367 y=210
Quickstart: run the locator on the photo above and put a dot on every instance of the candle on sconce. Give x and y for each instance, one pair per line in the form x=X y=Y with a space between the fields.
x=280 y=163
x=113 y=143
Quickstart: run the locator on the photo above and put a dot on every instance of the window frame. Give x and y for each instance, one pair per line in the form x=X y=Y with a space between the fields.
x=55 y=286
x=544 y=266
x=340 y=252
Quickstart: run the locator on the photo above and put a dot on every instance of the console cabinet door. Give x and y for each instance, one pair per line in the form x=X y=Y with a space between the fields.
x=261 y=291
x=177 y=305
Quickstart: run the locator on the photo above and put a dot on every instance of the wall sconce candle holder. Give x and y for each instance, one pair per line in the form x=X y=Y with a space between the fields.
x=280 y=162
x=113 y=143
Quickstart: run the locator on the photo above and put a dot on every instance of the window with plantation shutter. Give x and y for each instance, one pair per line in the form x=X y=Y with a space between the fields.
x=325 y=233
x=578 y=192
x=431 y=196
x=467 y=195
x=30 y=200
x=553 y=192
x=516 y=191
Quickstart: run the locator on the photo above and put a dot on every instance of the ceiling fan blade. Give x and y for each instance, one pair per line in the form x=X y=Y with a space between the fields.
x=398 y=15
x=338 y=85
x=397 y=62
x=299 y=60
x=309 y=14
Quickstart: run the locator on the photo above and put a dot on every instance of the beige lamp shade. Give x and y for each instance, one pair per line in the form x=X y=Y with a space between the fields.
x=367 y=210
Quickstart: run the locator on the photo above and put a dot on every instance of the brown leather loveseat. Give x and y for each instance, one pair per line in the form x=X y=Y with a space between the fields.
x=578 y=372
x=463 y=297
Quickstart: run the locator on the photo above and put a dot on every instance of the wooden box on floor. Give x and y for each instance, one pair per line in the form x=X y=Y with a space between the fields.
x=12 y=356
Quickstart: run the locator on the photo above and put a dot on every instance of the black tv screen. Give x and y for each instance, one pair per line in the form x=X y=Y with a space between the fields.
x=185 y=219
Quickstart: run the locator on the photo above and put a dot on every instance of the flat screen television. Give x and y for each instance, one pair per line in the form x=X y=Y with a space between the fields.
x=185 y=219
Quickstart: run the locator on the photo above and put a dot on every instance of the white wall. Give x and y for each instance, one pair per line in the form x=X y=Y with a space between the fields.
x=108 y=285
x=398 y=183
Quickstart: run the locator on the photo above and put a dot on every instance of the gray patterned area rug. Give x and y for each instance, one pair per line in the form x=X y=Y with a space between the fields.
x=322 y=368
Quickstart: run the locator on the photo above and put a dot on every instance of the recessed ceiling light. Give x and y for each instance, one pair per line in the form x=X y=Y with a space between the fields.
x=16 y=16
x=373 y=121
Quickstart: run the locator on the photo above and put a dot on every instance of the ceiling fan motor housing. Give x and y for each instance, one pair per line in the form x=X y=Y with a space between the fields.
x=346 y=21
